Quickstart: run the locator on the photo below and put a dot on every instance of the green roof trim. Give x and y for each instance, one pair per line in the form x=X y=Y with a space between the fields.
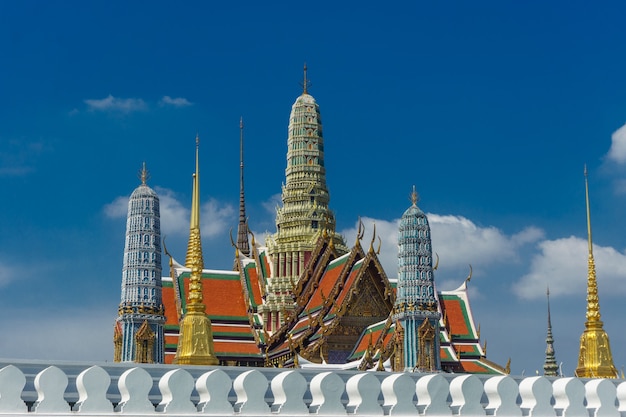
x=219 y=319
x=262 y=264
x=242 y=335
x=223 y=355
x=337 y=262
x=251 y=265
x=466 y=318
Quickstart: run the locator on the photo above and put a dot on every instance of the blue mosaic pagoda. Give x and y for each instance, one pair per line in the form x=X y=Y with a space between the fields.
x=416 y=311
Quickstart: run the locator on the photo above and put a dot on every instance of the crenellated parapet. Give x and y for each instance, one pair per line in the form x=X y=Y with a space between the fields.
x=33 y=387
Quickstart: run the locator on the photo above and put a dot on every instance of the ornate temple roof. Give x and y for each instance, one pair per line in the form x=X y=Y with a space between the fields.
x=460 y=348
x=234 y=334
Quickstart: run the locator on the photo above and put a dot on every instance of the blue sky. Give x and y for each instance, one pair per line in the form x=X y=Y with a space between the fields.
x=491 y=109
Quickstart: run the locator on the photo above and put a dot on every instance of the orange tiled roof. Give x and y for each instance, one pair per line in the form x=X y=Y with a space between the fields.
x=169 y=302
x=327 y=282
x=252 y=284
x=458 y=320
x=354 y=272
x=224 y=299
x=477 y=367
x=372 y=334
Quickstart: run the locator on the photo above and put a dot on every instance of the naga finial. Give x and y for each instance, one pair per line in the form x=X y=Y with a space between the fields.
x=469 y=277
x=360 y=230
x=373 y=239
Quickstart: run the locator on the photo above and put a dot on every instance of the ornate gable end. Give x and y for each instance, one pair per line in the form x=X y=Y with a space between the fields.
x=368 y=302
x=370 y=294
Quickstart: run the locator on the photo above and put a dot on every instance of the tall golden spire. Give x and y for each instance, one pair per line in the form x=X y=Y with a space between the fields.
x=594 y=358
x=195 y=342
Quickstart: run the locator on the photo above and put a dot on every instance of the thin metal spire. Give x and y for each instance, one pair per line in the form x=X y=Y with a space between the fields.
x=305 y=83
x=242 y=229
x=550 y=366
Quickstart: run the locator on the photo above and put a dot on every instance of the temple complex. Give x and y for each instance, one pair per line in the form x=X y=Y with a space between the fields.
x=303 y=298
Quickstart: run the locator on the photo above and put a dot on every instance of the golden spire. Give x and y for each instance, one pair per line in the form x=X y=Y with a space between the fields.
x=144 y=175
x=195 y=342
x=594 y=358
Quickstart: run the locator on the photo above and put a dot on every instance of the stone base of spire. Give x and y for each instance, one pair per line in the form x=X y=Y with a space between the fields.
x=195 y=343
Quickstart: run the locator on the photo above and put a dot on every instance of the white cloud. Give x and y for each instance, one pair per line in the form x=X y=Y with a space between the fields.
x=174 y=216
x=273 y=202
x=215 y=216
x=122 y=105
x=562 y=265
x=387 y=231
x=620 y=186
x=118 y=208
x=459 y=242
x=176 y=102
x=617 y=152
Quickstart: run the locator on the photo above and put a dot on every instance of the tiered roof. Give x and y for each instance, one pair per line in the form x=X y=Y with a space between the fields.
x=328 y=292
x=460 y=348
x=230 y=303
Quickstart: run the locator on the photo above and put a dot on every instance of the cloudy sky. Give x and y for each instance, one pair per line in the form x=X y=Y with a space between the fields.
x=491 y=109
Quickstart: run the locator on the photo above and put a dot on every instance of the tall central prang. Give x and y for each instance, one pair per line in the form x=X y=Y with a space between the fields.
x=304 y=214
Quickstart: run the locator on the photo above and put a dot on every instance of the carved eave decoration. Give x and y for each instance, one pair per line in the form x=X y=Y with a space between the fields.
x=322 y=255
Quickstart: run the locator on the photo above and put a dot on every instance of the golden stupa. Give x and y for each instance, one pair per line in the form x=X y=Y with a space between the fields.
x=594 y=357
x=195 y=344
